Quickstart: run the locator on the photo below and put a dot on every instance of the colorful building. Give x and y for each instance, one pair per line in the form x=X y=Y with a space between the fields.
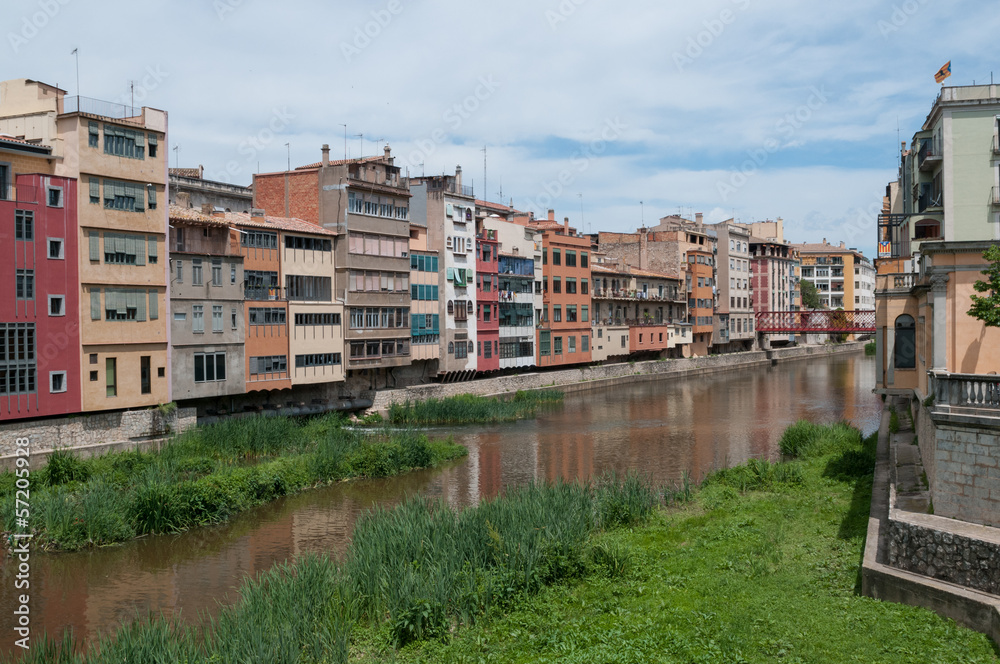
x=487 y=300
x=520 y=293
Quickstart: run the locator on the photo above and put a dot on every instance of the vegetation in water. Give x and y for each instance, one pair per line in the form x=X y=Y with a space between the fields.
x=760 y=564
x=469 y=409
x=206 y=476
x=870 y=348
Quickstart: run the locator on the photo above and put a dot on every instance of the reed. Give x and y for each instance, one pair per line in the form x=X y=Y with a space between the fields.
x=805 y=439
x=472 y=409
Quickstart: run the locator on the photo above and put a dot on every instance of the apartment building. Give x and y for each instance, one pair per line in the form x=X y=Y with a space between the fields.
x=520 y=293
x=487 y=300
x=365 y=203
x=207 y=319
x=446 y=209
x=425 y=306
x=190 y=189
x=564 y=328
x=39 y=324
x=831 y=269
x=734 y=321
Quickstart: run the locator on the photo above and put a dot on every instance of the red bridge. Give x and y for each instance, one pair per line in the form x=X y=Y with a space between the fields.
x=815 y=321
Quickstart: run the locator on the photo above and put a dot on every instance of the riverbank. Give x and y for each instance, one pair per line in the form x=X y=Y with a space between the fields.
x=760 y=564
x=204 y=477
x=579 y=379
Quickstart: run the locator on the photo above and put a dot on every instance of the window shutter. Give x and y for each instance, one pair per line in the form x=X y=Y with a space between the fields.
x=139 y=246
x=95 y=188
x=152 y=195
x=95 y=246
x=450 y=273
x=140 y=301
x=154 y=306
x=140 y=139
x=152 y=139
x=152 y=246
x=95 y=304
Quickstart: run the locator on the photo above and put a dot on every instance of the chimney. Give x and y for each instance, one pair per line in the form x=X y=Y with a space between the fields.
x=566 y=225
x=207 y=208
x=824 y=240
x=643 y=249
x=326 y=154
x=552 y=215
x=698 y=217
x=256 y=213
x=841 y=244
x=458 y=177
x=388 y=153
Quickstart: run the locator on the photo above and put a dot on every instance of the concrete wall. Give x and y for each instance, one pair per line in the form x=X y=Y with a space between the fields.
x=600 y=377
x=91 y=434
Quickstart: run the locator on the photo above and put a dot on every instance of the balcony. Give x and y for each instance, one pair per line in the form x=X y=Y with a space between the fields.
x=895 y=283
x=965 y=394
x=995 y=197
x=996 y=144
x=929 y=156
x=262 y=293
x=104 y=109
x=619 y=294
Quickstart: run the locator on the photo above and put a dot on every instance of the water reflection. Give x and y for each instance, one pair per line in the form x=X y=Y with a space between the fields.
x=663 y=428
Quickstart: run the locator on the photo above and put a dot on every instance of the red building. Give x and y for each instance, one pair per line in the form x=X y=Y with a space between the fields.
x=487 y=301
x=40 y=299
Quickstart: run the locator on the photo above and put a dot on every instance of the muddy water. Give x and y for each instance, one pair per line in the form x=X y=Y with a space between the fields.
x=662 y=428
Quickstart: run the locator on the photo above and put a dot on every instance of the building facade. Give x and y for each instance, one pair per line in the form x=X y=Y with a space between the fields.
x=487 y=300
x=520 y=293
x=734 y=321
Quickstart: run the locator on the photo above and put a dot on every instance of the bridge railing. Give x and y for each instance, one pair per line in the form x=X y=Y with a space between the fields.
x=815 y=321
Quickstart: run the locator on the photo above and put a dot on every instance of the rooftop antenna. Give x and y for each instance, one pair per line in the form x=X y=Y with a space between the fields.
x=362 y=137
x=642 y=214
x=288 y=146
x=177 y=156
x=76 y=52
x=131 y=86
x=501 y=190
x=345 y=140
x=485 y=190
x=581 y=208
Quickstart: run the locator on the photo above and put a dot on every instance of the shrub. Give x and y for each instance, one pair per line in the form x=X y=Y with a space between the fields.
x=613 y=557
x=64 y=467
x=623 y=502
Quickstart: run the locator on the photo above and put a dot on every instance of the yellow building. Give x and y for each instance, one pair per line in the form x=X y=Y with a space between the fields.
x=117 y=154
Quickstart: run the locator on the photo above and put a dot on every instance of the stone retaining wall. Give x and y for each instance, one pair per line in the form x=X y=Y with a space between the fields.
x=605 y=375
x=961 y=559
x=966 y=482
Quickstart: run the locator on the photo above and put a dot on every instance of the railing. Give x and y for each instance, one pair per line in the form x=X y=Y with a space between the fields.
x=995 y=197
x=634 y=295
x=262 y=293
x=105 y=109
x=977 y=391
x=996 y=144
x=815 y=321
x=929 y=149
x=885 y=283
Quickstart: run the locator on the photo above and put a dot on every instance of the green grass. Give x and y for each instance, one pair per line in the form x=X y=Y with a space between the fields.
x=472 y=409
x=206 y=476
x=893 y=421
x=584 y=573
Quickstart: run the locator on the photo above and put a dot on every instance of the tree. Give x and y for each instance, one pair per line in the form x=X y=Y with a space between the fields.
x=810 y=296
x=987 y=307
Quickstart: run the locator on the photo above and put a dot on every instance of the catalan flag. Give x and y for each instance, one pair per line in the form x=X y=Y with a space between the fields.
x=943 y=73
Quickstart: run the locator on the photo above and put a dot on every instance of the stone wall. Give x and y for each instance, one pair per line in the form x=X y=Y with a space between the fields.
x=962 y=559
x=603 y=376
x=966 y=482
x=96 y=433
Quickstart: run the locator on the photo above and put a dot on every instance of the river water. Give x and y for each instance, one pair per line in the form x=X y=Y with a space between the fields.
x=663 y=428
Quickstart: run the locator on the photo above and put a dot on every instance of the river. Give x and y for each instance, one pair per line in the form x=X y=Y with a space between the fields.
x=663 y=428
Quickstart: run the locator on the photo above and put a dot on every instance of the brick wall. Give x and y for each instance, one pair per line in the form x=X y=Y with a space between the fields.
x=303 y=195
x=966 y=471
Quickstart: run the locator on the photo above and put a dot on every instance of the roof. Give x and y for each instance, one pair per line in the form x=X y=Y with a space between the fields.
x=288 y=224
x=186 y=172
x=823 y=248
x=493 y=206
x=23 y=144
x=632 y=271
x=341 y=162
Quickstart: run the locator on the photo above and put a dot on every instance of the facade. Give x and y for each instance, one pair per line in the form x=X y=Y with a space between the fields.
x=734 y=321
x=189 y=189
x=488 y=300
x=520 y=293
x=564 y=328
x=207 y=322
x=39 y=328
x=425 y=306
x=365 y=203
x=834 y=271
x=446 y=209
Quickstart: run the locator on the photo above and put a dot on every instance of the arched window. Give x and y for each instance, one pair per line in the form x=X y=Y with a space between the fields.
x=926 y=229
x=904 y=354
x=451 y=309
x=471 y=347
x=451 y=347
x=469 y=308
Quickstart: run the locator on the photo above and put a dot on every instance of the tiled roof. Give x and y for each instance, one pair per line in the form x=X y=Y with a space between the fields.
x=494 y=206
x=186 y=172
x=822 y=248
x=240 y=219
x=21 y=142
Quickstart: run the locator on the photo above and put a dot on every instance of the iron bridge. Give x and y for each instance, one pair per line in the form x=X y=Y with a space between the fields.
x=815 y=321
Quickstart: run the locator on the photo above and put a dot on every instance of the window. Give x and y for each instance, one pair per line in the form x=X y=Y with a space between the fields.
x=56 y=248
x=268 y=365
x=54 y=196
x=232 y=318
x=585 y=313
x=583 y=259
x=584 y=343
x=556 y=313
x=570 y=285
x=904 y=351
x=209 y=367
x=180 y=272
x=317 y=319
x=216 y=318
x=557 y=346
x=24 y=225
x=57 y=382
x=151 y=141
x=93 y=376
x=145 y=375
x=57 y=305
x=570 y=258
x=122 y=249
x=259 y=239
x=196 y=272
x=584 y=287
x=197 y=318
x=4 y=182
x=267 y=315
x=180 y=316
x=216 y=271
x=461 y=350
x=124 y=142
x=544 y=344
x=232 y=273
x=111 y=376
x=318 y=289
x=17 y=358
x=24 y=284
x=556 y=285
x=309 y=243
x=570 y=313
x=127 y=196
x=317 y=360
x=556 y=257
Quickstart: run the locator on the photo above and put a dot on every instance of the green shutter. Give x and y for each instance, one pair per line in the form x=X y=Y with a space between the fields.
x=140 y=139
x=139 y=246
x=95 y=246
x=152 y=139
x=95 y=304
x=154 y=306
x=152 y=196
x=95 y=188
x=152 y=246
x=140 y=305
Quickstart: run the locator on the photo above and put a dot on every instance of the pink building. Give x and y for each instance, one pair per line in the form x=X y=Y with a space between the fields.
x=40 y=299
x=487 y=301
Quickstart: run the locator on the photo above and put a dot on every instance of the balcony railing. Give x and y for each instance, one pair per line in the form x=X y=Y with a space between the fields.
x=105 y=109
x=899 y=283
x=967 y=391
x=996 y=144
x=929 y=155
x=620 y=294
x=262 y=293
x=995 y=197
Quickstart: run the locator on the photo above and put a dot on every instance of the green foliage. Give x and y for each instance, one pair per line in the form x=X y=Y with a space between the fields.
x=870 y=348
x=810 y=296
x=612 y=557
x=805 y=439
x=893 y=421
x=63 y=467
x=469 y=408
x=987 y=307
x=757 y=475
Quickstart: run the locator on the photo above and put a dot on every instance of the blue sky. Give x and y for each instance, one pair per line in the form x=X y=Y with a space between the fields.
x=752 y=108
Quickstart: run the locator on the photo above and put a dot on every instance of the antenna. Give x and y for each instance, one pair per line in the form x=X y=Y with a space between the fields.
x=345 y=140
x=642 y=213
x=131 y=85
x=177 y=156
x=76 y=52
x=362 y=137
x=485 y=190
x=288 y=146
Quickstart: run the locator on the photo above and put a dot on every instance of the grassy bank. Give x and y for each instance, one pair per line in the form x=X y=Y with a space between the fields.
x=206 y=476
x=472 y=409
x=759 y=564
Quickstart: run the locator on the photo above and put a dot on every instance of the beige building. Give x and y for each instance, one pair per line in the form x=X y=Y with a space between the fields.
x=118 y=155
x=734 y=321
x=425 y=308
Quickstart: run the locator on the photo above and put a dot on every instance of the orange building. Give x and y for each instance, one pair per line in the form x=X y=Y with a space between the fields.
x=564 y=331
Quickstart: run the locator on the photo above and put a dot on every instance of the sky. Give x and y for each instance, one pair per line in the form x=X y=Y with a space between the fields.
x=612 y=114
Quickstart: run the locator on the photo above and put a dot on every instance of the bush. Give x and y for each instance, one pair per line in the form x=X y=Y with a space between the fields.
x=805 y=439
x=870 y=348
x=63 y=467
